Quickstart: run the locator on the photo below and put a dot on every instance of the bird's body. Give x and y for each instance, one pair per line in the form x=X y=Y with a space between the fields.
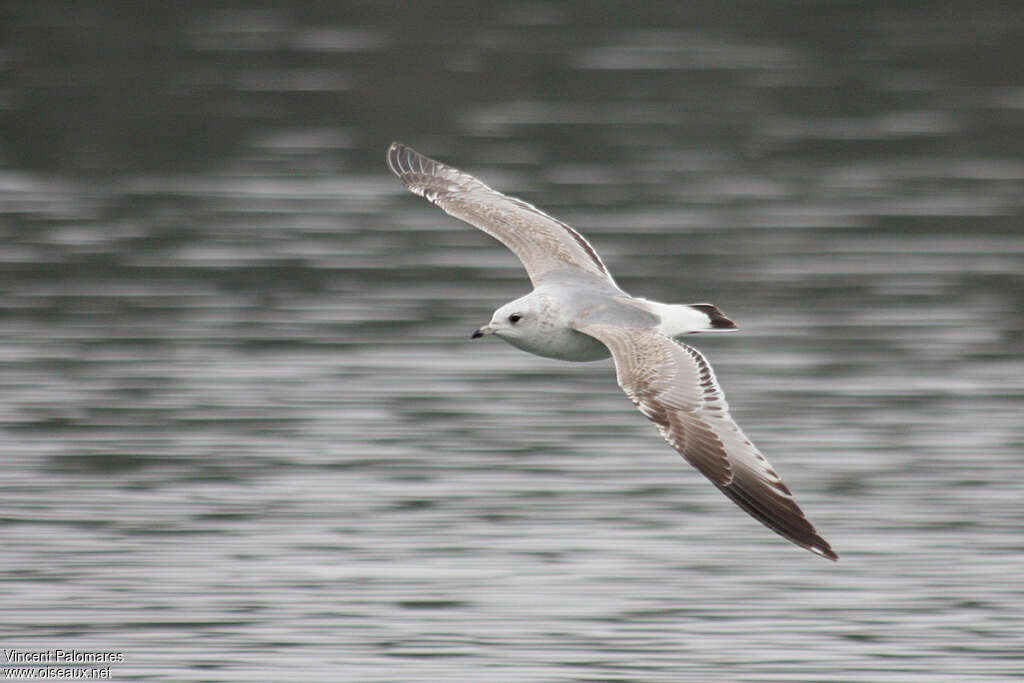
x=577 y=312
x=551 y=314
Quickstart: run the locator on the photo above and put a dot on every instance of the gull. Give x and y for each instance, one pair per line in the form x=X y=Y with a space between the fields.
x=576 y=312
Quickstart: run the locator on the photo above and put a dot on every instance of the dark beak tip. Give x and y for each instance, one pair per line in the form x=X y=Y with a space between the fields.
x=476 y=334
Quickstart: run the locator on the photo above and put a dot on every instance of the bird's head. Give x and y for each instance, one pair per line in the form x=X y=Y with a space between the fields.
x=513 y=321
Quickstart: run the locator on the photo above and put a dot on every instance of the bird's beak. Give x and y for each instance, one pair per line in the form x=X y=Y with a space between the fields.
x=486 y=329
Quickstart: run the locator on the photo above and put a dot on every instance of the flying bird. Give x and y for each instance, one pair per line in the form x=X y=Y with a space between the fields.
x=576 y=312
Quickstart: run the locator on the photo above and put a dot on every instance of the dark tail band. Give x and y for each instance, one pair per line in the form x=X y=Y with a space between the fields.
x=716 y=318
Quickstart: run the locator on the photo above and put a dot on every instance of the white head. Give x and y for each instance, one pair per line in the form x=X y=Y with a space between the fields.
x=532 y=323
x=516 y=321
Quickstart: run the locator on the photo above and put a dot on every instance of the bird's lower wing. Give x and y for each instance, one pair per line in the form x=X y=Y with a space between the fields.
x=673 y=385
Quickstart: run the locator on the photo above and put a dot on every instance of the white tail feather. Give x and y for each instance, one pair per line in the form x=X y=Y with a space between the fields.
x=680 y=319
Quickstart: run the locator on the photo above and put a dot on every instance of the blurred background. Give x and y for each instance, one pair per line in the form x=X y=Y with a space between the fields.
x=245 y=435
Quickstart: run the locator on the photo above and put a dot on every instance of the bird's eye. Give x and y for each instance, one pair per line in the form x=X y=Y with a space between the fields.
x=514 y=318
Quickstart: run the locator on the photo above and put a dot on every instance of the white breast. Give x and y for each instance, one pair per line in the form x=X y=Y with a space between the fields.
x=561 y=343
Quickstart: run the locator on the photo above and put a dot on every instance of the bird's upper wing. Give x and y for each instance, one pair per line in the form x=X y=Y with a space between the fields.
x=674 y=386
x=544 y=244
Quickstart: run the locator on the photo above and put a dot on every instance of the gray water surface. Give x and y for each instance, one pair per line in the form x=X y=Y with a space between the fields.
x=246 y=436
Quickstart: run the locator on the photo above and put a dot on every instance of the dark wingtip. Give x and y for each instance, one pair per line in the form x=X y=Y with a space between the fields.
x=781 y=515
x=716 y=318
x=829 y=555
x=823 y=549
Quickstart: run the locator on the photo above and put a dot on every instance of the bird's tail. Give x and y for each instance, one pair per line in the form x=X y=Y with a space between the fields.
x=680 y=319
x=716 y=320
